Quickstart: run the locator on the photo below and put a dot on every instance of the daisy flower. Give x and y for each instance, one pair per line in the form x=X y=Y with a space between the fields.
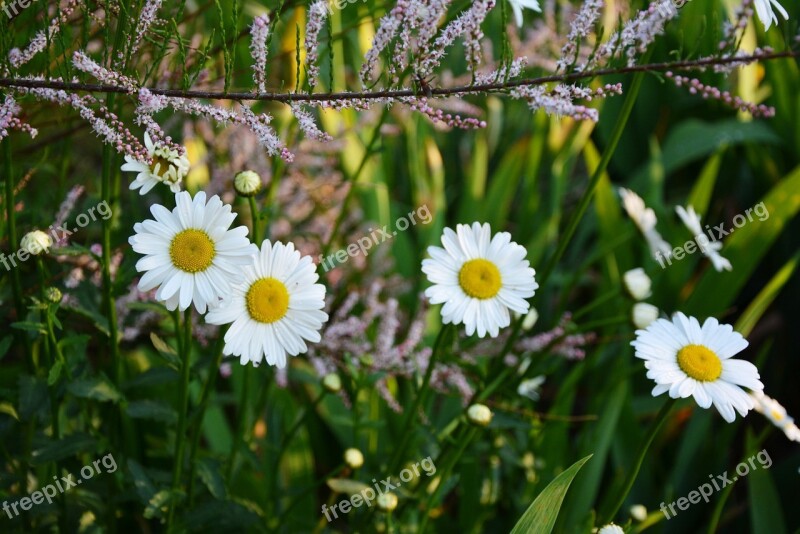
x=479 y=278
x=518 y=5
x=710 y=249
x=276 y=309
x=168 y=166
x=686 y=359
x=191 y=256
x=776 y=413
x=767 y=15
x=645 y=219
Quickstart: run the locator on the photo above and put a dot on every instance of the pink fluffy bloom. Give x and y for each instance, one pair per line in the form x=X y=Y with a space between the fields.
x=259 y=32
x=317 y=14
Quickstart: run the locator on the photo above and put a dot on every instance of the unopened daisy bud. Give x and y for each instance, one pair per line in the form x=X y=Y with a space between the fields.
x=643 y=314
x=53 y=295
x=530 y=319
x=36 y=242
x=247 y=183
x=479 y=415
x=332 y=383
x=353 y=458
x=611 y=528
x=387 y=502
x=638 y=512
x=637 y=283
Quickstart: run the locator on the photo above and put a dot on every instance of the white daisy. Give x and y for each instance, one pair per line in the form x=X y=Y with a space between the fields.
x=686 y=359
x=190 y=254
x=518 y=5
x=611 y=528
x=276 y=308
x=645 y=219
x=710 y=249
x=479 y=278
x=776 y=413
x=765 y=13
x=169 y=166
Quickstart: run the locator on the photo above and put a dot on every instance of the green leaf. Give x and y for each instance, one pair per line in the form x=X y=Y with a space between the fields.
x=55 y=372
x=209 y=472
x=8 y=409
x=97 y=387
x=540 y=517
x=694 y=139
x=64 y=448
x=747 y=321
x=5 y=344
x=160 y=502
x=144 y=487
x=766 y=515
x=153 y=410
x=346 y=486
x=29 y=326
x=700 y=197
x=167 y=353
x=32 y=395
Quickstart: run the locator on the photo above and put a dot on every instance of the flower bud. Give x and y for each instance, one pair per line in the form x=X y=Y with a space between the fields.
x=637 y=283
x=247 y=183
x=332 y=383
x=530 y=319
x=479 y=415
x=387 y=502
x=353 y=458
x=638 y=512
x=52 y=294
x=643 y=314
x=36 y=242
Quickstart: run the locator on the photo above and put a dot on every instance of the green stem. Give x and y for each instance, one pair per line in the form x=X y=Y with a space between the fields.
x=411 y=414
x=108 y=293
x=183 y=404
x=353 y=181
x=241 y=424
x=211 y=379
x=13 y=241
x=713 y=523
x=453 y=461
x=287 y=439
x=566 y=238
x=639 y=459
x=256 y=220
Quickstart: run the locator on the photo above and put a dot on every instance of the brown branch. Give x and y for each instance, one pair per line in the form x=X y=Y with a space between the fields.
x=398 y=93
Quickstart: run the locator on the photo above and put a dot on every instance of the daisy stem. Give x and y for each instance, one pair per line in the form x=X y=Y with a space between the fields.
x=640 y=454
x=287 y=439
x=419 y=399
x=445 y=473
x=256 y=220
x=616 y=134
x=183 y=403
x=241 y=423
x=211 y=379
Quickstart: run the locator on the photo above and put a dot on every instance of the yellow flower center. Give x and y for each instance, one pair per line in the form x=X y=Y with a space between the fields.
x=162 y=164
x=192 y=251
x=480 y=279
x=267 y=300
x=700 y=363
x=778 y=416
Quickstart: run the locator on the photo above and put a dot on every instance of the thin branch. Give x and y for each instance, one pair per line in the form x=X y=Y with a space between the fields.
x=399 y=93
